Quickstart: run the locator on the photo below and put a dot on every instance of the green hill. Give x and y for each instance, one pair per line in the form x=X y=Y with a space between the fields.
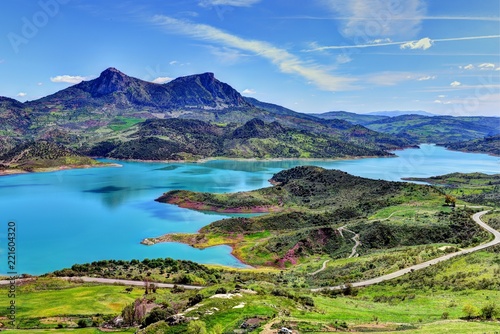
x=41 y=155
x=308 y=209
x=182 y=139
x=490 y=145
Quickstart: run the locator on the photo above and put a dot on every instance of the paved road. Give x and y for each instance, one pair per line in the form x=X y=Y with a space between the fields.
x=117 y=281
x=477 y=219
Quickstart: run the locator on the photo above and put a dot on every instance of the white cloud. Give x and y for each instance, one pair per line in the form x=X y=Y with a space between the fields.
x=284 y=60
x=21 y=94
x=497 y=69
x=486 y=66
x=427 y=77
x=72 y=79
x=248 y=91
x=469 y=67
x=376 y=18
x=173 y=62
x=424 y=44
x=234 y=3
x=441 y=96
x=39 y=84
x=438 y=101
x=455 y=84
x=162 y=80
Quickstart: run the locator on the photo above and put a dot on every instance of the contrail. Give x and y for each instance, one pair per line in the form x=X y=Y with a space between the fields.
x=360 y=46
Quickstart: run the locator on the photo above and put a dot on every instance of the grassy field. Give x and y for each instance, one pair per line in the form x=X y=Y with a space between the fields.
x=121 y=123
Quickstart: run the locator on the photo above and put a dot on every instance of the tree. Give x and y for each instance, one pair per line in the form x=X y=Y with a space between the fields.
x=82 y=323
x=489 y=311
x=470 y=311
x=197 y=327
x=450 y=200
x=156 y=314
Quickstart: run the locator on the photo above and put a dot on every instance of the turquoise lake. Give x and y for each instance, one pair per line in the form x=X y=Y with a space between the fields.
x=84 y=215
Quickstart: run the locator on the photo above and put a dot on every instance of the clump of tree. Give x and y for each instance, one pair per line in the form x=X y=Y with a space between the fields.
x=450 y=200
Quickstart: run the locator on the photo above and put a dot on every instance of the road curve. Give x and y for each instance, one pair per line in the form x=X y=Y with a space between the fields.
x=477 y=219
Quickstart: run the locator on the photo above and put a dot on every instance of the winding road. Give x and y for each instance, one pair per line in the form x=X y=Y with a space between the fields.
x=476 y=217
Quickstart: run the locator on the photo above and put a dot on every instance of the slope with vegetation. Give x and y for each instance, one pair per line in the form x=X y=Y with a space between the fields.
x=181 y=139
x=490 y=145
x=309 y=208
x=43 y=156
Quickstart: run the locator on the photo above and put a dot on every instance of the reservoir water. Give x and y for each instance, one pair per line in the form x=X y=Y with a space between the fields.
x=84 y=215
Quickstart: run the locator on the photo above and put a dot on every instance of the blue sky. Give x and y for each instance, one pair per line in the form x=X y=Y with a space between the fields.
x=442 y=56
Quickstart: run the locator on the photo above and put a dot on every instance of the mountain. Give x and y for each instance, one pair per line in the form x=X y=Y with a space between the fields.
x=437 y=129
x=107 y=109
x=184 y=139
x=350 y=117
x=490 y=145
x=401 y=113
x=114 y=93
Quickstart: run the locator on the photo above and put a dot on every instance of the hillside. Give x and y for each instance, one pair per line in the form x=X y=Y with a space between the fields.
x=475 y=188
x=181 y=139
x=41 y=156
x=351 y=117
x=310 y=210
x=422 y=127
x=437 y=129
x=490 y=145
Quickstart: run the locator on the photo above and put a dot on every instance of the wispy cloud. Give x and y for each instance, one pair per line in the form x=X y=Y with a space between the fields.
x=389 y=78
x=248 y=91
x=72 y=79
x=21 y=94
x=162 y=80
x=423 y=43
x=427 y=77
x=284 y=60
x=378 y=17
x=234 y=3
x=455 y=84
x=227 y=55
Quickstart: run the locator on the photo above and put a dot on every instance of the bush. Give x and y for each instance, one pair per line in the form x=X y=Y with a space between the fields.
x=82 y=323
x=196 y=327
x=489 y=311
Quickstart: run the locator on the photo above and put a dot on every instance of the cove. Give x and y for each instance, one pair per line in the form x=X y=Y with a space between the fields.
x=85 y=215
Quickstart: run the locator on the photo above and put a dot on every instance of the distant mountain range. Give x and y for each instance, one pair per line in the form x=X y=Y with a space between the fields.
x=110 y=114
x=421 y=128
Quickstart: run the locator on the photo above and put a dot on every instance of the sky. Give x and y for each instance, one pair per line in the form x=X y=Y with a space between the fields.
x=441 y=56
